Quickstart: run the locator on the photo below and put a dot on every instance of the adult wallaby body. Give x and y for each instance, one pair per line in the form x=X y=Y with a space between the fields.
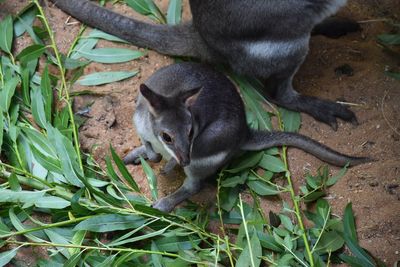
x=193 y=116
x=265 y=39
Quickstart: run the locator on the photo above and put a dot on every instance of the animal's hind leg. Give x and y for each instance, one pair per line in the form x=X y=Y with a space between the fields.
x=279 y=89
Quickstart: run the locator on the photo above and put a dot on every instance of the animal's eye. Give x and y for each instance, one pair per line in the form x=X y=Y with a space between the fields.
x=166 y=138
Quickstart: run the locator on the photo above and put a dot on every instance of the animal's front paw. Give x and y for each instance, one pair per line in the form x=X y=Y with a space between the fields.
x=164 y=204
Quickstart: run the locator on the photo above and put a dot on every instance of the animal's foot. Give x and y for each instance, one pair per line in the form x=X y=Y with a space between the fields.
x=164 y=204
x=322 y=110
x=326 y=111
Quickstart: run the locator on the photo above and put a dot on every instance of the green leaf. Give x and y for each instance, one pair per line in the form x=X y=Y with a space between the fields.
x=25 y=75
x=1 y=129
x=58 y=239
x=85 y=46
x=20 y=227
x=332 y=180
x=348 y=223
x=271 y=163
x=389 y=39
x=77 y=240
x=352 y=261
x=174 y=13
x=246 y=161
x=102 y=35
x=6 y=33
x=67 y=155
x=99 y=78
x=111 y=55
x=156 y=259
x=7 y=93
x=262 y=188
x=269 y=242
x=146 y=8
x=151 y=178
x=47 y=93
x=291 y=120
x=52 y=202
x=7 y=256
x=24 y=19
x=123 y=170
x=361 y=255
x=31 y=53
x=14 y=183
x=26 y=197
x=350 y=236
x=176 y=243
x=393 y=74
x=37 y=105
x=234 y=181
x=110 y=222
x=329 y=242
x=286 y=222
x=48 y=162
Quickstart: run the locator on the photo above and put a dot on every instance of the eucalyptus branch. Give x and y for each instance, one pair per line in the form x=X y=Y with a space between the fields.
x=142 y=251
x=63 y=87
x=228 y=251
x=295 y=200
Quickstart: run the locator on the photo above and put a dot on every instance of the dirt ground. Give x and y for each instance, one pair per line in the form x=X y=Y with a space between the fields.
x=375 y=98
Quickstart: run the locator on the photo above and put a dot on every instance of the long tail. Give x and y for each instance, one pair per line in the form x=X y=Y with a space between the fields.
x=259 y=140
x=179 y=40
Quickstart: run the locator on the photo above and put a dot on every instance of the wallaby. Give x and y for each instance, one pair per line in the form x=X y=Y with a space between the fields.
x=265 y=39
x=193 y=116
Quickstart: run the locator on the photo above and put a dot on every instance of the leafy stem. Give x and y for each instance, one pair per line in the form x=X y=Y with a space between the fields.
x=63 y=87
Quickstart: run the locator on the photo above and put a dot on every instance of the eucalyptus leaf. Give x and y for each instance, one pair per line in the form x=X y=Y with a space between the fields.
x=84 y=45
x=389 y=39
x=30 y=53
x=47 y=93
x=262 y=188
x=6 y=33
x=58 y=239
x=1 y=130
x=97 y=34
x=110 y=222
x=52 y=202
x=174 y=13
x=7 y=93
x=37 y=105
x=146 y=8
x=99 y=78
x=123 y=170
x=151 y=178
x=291 y=120
x=273 y=164
x=24 y=19
x=155 y=258
x=111 y=55
x=27 y=197
x=329 y=242
x=7 y=256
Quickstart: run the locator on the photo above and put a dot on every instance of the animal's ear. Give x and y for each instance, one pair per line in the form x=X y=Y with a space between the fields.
x=190 y=97
x=156 y=101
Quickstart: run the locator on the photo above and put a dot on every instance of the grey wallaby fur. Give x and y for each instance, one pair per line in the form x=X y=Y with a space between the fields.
x=193 y=116
x=265 y=39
